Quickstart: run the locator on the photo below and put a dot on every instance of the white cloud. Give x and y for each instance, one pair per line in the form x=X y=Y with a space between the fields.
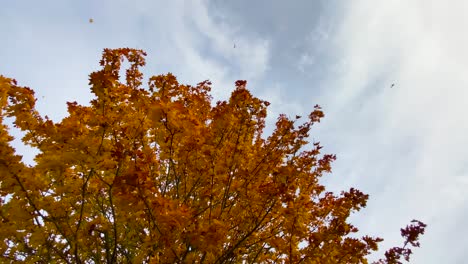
x=317 y=41
x=275 y=95
x=246 y=55
x=305 y=60
x=404 y=145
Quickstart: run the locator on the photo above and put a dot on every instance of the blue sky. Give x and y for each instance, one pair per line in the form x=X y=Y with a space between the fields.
x=405 y=146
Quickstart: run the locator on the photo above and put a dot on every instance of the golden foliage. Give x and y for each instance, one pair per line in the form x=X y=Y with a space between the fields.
x=163 y=176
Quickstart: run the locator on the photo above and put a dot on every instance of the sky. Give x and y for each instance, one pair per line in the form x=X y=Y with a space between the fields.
x=404 y=145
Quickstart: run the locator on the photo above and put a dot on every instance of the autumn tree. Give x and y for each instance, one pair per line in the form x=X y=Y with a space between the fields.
x=162 y=175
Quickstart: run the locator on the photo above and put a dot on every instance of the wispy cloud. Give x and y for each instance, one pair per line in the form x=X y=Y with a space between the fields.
x=230 y=53
x=405 y=145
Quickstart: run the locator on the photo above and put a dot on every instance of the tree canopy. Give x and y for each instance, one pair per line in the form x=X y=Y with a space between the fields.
x=163 y=175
